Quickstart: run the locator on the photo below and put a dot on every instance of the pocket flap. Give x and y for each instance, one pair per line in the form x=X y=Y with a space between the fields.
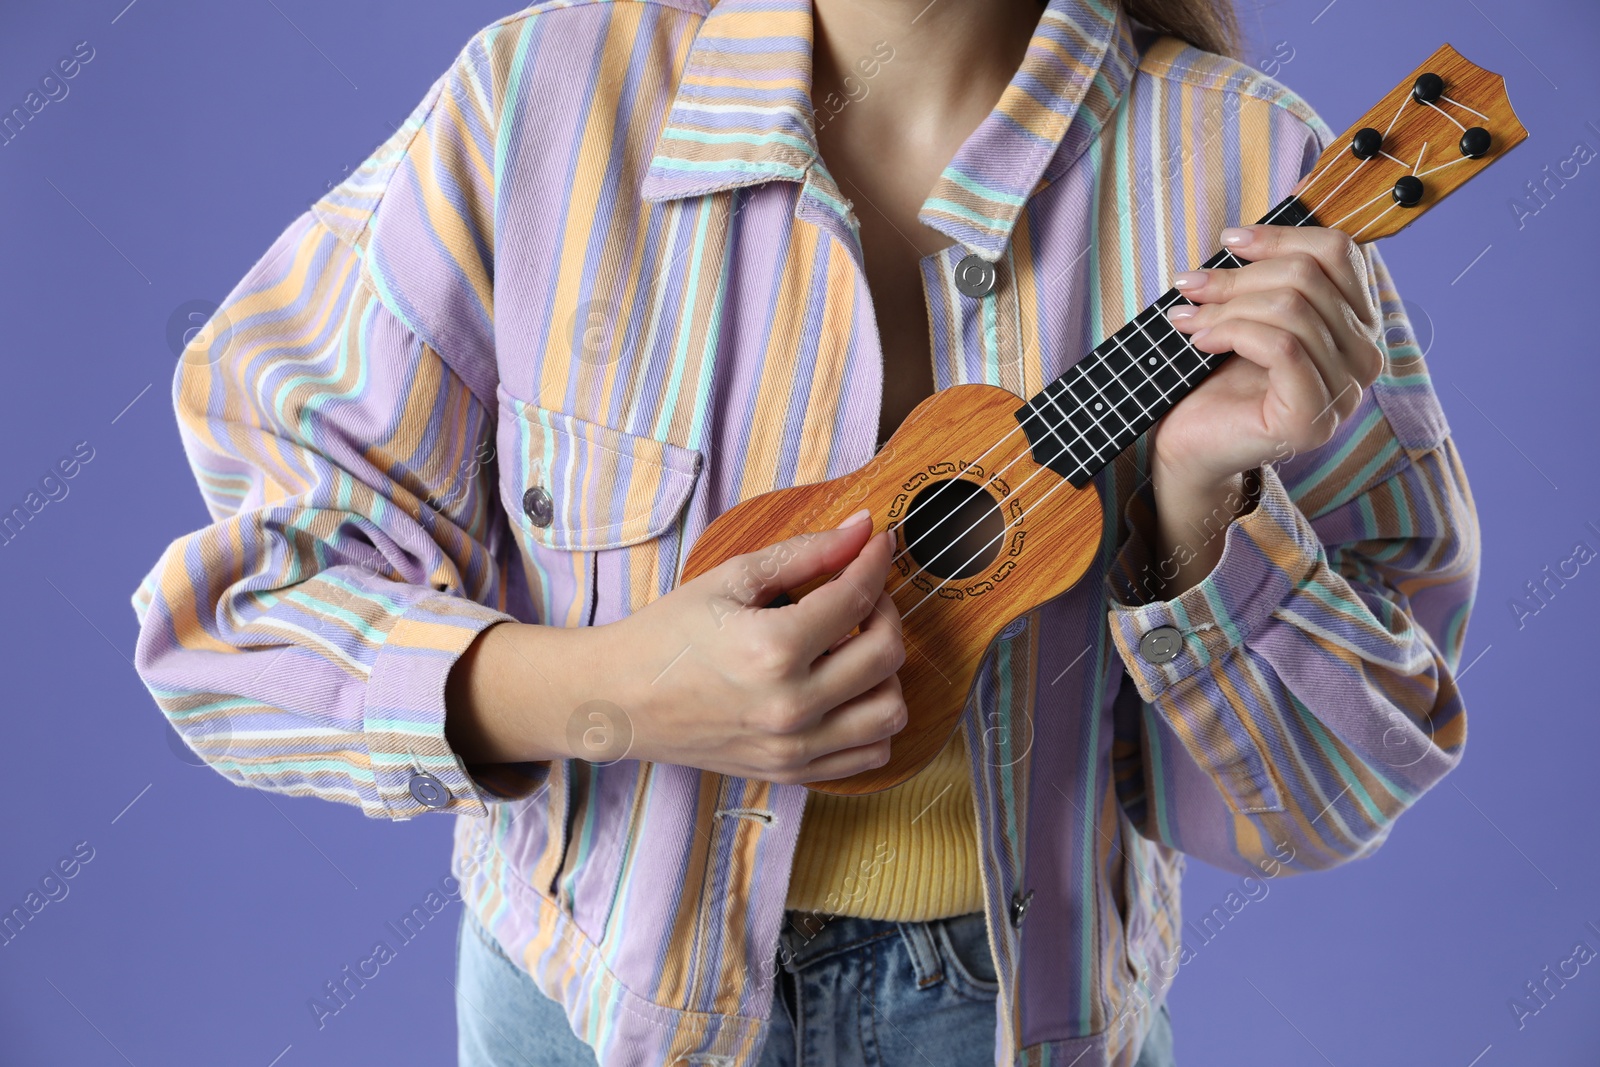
x=575 y=485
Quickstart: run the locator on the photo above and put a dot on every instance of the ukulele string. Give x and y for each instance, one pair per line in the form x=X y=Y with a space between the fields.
x=1009 y=525
x=1119 y=345
x=1054 y=430
x=922 y=502
x=1385 y=212
x=1464 y=107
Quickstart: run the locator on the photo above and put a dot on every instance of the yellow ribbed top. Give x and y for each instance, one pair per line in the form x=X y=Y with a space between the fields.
x=909 y=853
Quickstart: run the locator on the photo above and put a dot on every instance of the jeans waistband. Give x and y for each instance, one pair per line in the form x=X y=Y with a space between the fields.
x=808 y=938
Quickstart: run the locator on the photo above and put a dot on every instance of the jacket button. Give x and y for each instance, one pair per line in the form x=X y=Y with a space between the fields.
x=1160 y=645
x=1019 y=905
x=428 y=790
x=538 y=506
x=975 y=276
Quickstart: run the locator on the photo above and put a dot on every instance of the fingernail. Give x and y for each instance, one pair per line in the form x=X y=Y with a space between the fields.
x=1179 y=313
x=855 y=520
x=1237 y=237
x=1198 y=337
x=1189 y=279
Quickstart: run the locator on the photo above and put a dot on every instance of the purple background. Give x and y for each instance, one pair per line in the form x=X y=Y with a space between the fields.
x=210 y=915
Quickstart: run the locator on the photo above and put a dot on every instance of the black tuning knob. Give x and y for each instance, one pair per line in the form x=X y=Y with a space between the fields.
x=1367 y=143
x=1408 y=191
x=1429 y=88
x=1475 y=143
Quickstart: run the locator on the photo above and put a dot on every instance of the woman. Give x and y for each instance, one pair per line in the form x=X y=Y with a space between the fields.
x=630 y=263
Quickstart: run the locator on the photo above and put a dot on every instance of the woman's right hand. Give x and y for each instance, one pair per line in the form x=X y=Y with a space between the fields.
x=707 y=676
x=778 y=694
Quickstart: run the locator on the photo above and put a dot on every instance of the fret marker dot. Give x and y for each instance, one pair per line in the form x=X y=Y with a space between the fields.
x=1152 y=361
x=1098 y=405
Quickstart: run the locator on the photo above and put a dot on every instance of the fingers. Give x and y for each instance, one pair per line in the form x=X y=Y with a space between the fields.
x=860 y=662
x=835 y=608
x=1338 y=258
x=853 y=737
x=755 y=578
x=1308 y=281
x=1289 y=312
x=1297 y=399
x=1296 y=272
x=839 y=765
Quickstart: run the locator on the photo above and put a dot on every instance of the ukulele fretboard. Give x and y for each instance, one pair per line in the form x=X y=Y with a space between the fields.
x=1084 y=419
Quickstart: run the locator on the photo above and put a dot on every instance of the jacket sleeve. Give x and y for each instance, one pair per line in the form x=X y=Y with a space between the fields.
x=338 y=413
x=1314 y=694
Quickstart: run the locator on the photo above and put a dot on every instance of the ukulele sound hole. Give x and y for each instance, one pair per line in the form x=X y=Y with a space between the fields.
x=954 y=529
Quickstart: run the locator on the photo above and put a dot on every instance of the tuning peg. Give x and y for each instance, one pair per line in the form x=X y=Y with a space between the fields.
x=1408 y=191
x=1475 y=143
x=1429 y=87
x=1367 y=143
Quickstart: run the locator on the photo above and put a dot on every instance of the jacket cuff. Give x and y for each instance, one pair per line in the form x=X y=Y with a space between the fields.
x=414 y=769
x=1265 y=554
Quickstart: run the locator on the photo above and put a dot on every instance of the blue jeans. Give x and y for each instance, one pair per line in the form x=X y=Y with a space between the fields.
x=850 y=991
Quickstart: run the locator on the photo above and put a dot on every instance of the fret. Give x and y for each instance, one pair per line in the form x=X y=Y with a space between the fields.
x=1083 y=389
x=1079 y=433
x=1148 y=374
x=1048 y=445
x=1058 y=435
x=1164 y=370
x=1102 y=404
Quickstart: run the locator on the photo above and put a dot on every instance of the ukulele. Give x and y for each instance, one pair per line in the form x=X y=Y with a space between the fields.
x=990 y=496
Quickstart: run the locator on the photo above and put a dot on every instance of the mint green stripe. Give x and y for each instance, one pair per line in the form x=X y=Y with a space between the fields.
x=502 y=146
x=679 y=133
x=1331 y=463
x=1124 y=166
x=783 y=170
x=834 y=203
x=680 y=353
x=977 y=188
x=1343 y=769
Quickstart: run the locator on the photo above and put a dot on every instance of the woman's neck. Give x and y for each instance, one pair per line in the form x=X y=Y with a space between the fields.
x=951 y=61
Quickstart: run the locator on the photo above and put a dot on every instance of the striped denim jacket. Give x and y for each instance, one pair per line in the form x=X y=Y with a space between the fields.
x=604 y=260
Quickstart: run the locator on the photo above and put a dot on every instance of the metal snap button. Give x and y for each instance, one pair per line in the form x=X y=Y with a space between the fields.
x=538 y=506
x=1019 y=905
x=428 y=790
x=1161 y=645
x=975 y=276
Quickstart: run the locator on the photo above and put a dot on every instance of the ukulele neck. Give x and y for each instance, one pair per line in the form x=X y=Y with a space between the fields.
x=1084 y=419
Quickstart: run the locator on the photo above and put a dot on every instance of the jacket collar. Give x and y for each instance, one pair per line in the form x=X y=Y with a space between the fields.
x=741 y=114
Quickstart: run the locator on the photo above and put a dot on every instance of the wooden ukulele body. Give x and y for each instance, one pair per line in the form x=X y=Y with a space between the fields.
x=1051 y=531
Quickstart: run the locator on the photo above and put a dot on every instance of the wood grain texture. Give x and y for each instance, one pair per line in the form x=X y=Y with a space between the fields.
x=1052 y=532
x=1353 y=195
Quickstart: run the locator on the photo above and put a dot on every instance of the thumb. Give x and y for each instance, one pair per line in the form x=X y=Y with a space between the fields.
x=757 y=578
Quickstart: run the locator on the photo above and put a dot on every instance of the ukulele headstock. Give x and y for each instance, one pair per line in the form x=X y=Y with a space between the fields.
x=1443 y=124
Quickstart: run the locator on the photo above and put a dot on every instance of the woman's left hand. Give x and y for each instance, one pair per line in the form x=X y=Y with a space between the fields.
x=1302 y=318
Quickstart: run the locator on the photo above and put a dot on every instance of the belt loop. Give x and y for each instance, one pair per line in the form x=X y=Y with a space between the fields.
x=924 y=952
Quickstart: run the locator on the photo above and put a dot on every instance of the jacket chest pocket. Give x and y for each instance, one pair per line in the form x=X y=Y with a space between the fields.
x=596 y=511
